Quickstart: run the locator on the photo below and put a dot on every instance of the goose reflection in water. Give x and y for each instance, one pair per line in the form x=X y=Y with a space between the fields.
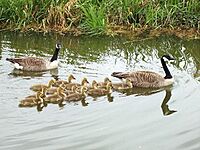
x=149 y=91
x=30 y=74
x=165 y=108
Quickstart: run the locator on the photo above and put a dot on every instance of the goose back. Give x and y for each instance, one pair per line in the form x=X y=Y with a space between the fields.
x=143 y=78
x=29 y=63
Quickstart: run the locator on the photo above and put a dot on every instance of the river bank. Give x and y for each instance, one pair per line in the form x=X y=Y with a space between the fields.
x=103 y=17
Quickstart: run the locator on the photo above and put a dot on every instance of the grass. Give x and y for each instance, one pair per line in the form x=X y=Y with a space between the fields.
x=98 y=16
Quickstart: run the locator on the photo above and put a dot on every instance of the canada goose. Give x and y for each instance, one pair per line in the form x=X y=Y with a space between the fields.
x=93 y=86
x=36 y=64
x=84 y=82
x=69 y=80
x=38 y=87
x=104 y=83
x=53 y=90
x=147 y=78
x=43 y=93
x=56 y=97
x=33 y=101
x=73 y=90
x=123 y=86
x=77 y=96
x=101 y=91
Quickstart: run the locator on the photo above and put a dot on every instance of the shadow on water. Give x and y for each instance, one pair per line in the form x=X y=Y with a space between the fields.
x=32 y=74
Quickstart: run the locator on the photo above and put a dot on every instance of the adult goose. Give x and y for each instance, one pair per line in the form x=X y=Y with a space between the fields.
x=35 y=63
x=148 y=79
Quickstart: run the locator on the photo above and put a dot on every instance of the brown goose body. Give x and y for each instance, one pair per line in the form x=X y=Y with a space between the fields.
x=148 y=79
x=29 y=63
x=145 y=79
x=34 y=63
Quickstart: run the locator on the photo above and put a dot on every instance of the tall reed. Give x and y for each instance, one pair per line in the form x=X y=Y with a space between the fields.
x=98 y=16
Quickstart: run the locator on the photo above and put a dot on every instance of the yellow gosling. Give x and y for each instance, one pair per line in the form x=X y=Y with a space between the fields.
x=101 y=91
x=69 y=80
x=53 y=90
x=31 y=102
x=56 y=97
x=43 y=93
x=104 y=83
x=77 y=96
x=38 y=87
x=123 y=86
x=84 y=82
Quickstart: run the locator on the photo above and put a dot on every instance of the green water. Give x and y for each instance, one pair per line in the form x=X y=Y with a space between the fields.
x=166 y=118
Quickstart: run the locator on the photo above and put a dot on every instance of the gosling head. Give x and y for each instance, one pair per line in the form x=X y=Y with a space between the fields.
x=94 y=84
x=51 y=82
x=106 y=80
x=84 y=81
x=70 y=78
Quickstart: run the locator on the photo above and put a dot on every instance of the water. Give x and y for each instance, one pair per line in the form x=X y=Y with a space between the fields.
x=167 y=118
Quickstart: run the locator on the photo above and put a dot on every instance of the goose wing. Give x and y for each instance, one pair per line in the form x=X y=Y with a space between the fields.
x=29 y=63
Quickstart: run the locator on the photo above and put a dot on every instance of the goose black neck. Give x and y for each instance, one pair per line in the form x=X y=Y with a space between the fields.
x=167 y=73
x=55 y=55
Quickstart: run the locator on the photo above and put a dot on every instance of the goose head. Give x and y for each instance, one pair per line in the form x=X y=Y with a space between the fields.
x=58 y=46
x=84 y=82
x=70 y=78
x=94 y=84
x=51 y=82
x=106 y=80
x=167 y=57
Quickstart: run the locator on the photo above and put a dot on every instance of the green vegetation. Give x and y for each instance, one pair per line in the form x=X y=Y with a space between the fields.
x=98 y=16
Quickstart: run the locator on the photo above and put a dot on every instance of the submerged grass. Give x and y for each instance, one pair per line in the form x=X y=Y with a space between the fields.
x=98 y=16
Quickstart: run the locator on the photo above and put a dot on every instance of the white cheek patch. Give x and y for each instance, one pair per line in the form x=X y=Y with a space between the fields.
x=171 y=61
x=17 y=66
x=165 y=59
